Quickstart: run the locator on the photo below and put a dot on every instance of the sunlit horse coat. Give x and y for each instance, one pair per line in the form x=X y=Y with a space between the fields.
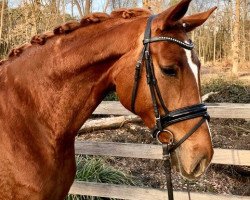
x=49 y=88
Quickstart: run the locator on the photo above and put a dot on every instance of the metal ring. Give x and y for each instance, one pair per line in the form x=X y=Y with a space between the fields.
x=168 y=132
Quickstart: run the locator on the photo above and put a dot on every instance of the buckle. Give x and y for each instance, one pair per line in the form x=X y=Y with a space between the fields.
x=165 y=137
x=145 y=41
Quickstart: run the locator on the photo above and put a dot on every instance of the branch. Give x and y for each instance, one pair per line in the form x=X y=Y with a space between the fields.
x=108 y=123
x=206 y=96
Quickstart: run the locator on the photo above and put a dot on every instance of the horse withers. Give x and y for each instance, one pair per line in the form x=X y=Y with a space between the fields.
x=50 y=87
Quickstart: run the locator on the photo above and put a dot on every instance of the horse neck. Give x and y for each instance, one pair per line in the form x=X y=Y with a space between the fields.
x=68 y=85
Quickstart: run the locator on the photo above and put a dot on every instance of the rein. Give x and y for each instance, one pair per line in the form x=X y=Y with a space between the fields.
x=170 y=117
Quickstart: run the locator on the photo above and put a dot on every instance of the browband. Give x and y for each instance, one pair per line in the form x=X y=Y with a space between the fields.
x=185 y=45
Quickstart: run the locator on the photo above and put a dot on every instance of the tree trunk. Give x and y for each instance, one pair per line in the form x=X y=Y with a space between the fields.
x=106 y=6
x=214 y=50
x=235 y=46
x=63 y=10
x=53 y=6
x=87 y=7
x=1 y=19
x=78 y=8
x=244 y=30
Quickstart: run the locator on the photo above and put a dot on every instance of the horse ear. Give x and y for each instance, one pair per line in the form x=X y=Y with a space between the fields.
x=170 y=16
x=193 y=21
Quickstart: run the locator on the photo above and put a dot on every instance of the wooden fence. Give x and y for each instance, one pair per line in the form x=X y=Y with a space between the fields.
x=221 y=156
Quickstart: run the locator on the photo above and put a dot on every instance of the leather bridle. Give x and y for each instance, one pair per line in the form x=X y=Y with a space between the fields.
x=170 y=117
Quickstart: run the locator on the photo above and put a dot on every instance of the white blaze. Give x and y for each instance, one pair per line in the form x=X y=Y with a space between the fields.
x=191 y=64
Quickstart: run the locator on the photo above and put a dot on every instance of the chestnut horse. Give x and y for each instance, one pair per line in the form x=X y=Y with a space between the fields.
x=50 y=87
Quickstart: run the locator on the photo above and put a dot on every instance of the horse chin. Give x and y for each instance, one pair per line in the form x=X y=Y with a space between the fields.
x=187 y=176
x=177 y=166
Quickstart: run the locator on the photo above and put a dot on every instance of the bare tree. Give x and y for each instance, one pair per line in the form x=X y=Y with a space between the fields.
x=235 y=45
x=63 y=10
x=244 y=39
x=106 y=6
x=53 y=5
x=1 y=18
x=78 y=8
x=87 y=7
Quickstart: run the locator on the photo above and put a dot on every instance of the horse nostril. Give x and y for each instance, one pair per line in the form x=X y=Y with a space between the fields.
x=197 y=169
x=200 y=168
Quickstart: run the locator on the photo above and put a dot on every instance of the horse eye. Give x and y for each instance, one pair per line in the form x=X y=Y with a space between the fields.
x=169 y=71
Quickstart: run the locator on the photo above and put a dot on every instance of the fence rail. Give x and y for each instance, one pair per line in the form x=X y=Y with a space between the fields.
x=149 y=151
x=140 y=193
x=216 y=110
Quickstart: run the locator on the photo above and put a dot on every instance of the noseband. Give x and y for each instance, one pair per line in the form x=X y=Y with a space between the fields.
x=170 y=117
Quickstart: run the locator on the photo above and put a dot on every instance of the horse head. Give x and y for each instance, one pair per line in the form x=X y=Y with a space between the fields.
x=168 y=81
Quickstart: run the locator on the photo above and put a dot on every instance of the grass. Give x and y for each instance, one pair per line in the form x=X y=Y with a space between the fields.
x=95 y=169
x=112 y=96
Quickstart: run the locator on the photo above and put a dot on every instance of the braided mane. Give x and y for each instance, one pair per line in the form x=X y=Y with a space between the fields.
x=73 y=25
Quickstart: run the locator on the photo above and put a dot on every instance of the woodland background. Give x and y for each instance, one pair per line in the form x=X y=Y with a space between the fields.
x=224 y=39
